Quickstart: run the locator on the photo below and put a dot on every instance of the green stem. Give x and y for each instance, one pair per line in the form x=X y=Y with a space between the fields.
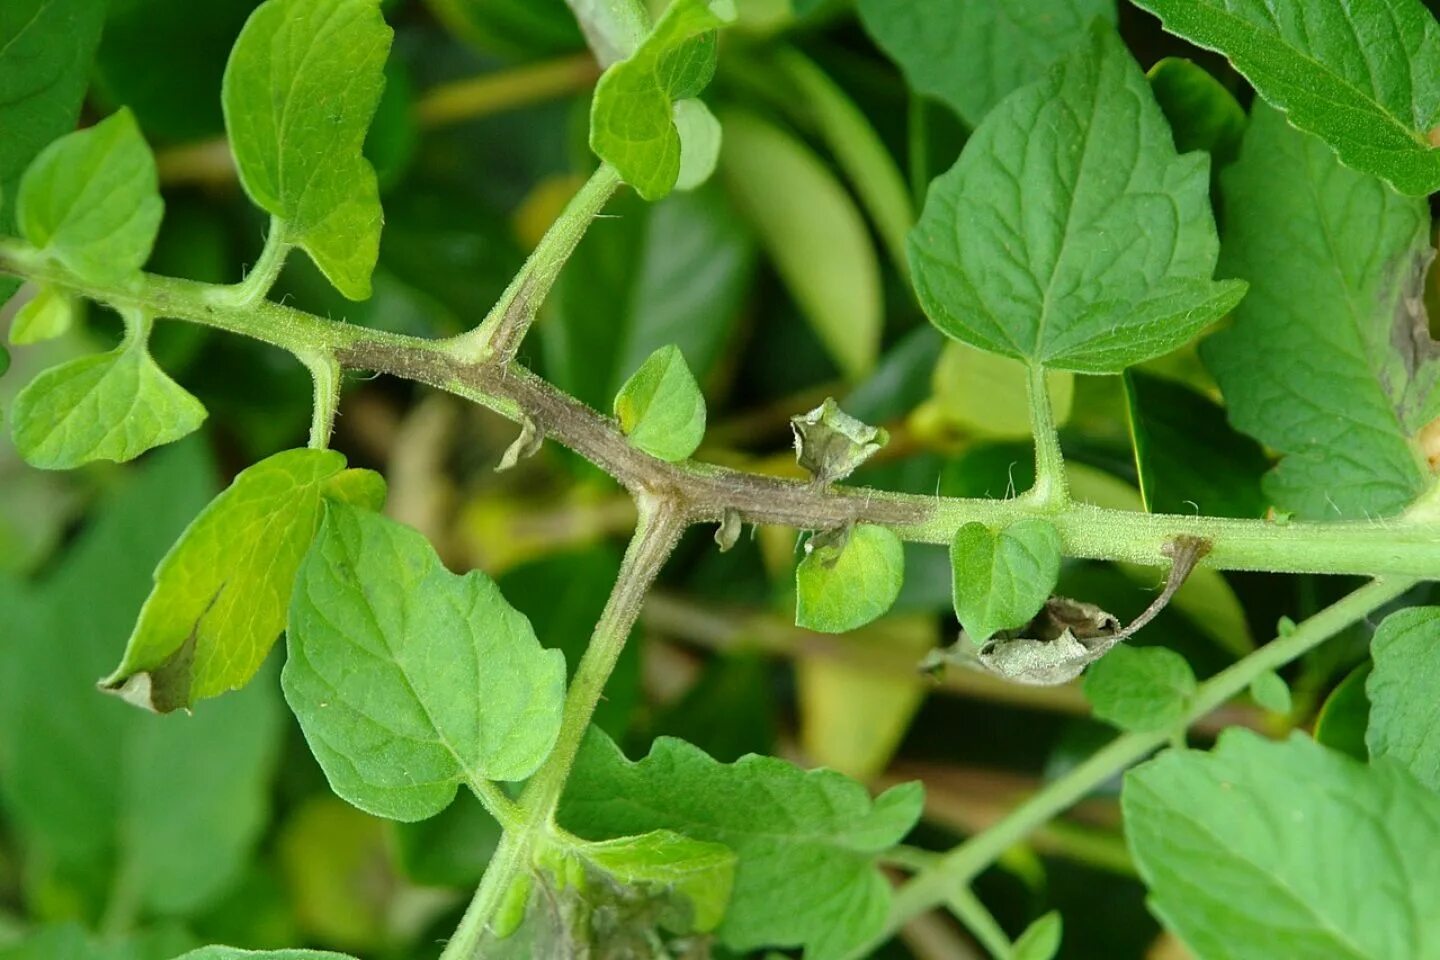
x=1051 y=492
x=506 y=865
x=937 y=884
x=532 y=820
x=1402 y=546
x=499 y=335
x=656 y=532
x=978 y=920
x=262 y=276
x=325 y=372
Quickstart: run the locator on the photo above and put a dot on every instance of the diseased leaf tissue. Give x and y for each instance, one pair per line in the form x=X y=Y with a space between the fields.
x=987 y=357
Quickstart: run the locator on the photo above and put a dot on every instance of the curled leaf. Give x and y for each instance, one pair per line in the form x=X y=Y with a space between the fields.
x=831 y=444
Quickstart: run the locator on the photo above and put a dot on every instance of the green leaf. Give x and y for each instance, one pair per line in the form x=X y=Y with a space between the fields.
x=91 y=201
x=1270 y=691
x=1260 y=850
x=1328 y=361
x=109 y=406
x=807 y=842
x=1188 y=459
x=1003 y=577
x=407 y=679
x=1403 y=690
x=661 y=862
x=1070 y=233
x=809 y=226
x=632 y=118
x=1203 y=115
x=1140 y=689
x=660 y=407
x=231 y=953
x=301 y=87
x=848 y=578
x=96 y=790
x=972 y=55
x=1364 y=77
x=673 y=272
x=45 y=51
x=45 y=316
x=1041 y=940
x=222 y=592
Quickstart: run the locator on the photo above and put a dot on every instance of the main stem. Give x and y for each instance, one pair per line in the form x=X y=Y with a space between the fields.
x=1402 y=546
x=659 y=527
x=937 y=884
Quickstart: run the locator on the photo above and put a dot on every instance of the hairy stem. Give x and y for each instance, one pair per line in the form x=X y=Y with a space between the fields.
x=263 y=274
x=937 y=884
x=499 y=335
x=659 y=527
x=1400 y=546
x=325 y=372
x=1051 y=489
x=532 y=819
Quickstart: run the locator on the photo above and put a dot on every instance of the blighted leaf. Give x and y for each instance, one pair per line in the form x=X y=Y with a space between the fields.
x=45 y=316
x=109 y=406
x=660 y=407
x=849 y=577
x=632 y=118
x=972 y=55
x=1403 y=690
x=1003 y=577
x=1364 y=77
x=1269 y=690
x=407 y=679
x=1041 y=940
x=814 y=234
x=222 y=592
x=806 y=842
x=91 y=201
x=301 y=87
x=831 y=444
x=1140 y=689
x=1329 y=360
x=1259 y=850
x=1203 y=115
x=1063 y=639
x=1070 y=233
x=700 y=137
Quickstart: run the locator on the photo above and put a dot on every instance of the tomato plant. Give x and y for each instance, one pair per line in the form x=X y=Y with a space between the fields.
x=1097 y=572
